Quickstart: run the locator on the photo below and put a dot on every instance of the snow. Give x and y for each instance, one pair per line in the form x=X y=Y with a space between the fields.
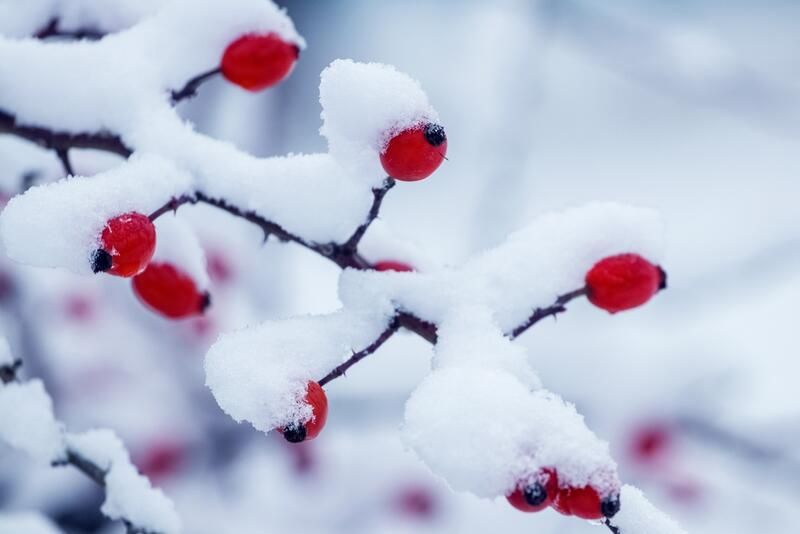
x=59 y=224
x=26 y=523
x=6 y=357
x=638 y=515
x=129 y=495
x=27 y=422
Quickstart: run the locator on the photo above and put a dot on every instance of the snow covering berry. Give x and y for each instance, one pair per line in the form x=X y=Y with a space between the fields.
x=414 y=154
x=391 y=265
x=622 y=282
x=126 y=245
x=537 y=494
x=298 y=431
x=169 y=291
x=256 y=62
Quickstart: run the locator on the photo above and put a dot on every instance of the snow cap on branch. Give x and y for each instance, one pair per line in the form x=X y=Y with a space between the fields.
x=638 y=515
x=27 y=422
x=129 y=495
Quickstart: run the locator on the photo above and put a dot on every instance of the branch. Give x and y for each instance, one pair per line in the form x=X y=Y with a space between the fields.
x=52 y=30
x=559 y=306
x=8 y=373
x=378 y=193
x=613 y=528
x=190 y=89
x=340 y=370
x=63 y=141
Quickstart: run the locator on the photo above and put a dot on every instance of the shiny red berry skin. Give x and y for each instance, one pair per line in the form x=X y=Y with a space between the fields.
x=127 y=244
x=622 y=282
x=528 y=498
x=415 y=153
x=581 y=502
x=169 y=291
x=307 y=430
x=257 y=61
x=391 y=265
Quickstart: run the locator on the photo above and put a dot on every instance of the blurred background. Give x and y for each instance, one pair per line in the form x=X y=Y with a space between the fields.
x=688 y=107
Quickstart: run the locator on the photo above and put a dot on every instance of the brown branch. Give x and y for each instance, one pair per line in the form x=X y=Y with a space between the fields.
x=559 y=306
x=190 y=89
x=52 y=30
x=378 y=193
x=62 y=141
x=340 y=370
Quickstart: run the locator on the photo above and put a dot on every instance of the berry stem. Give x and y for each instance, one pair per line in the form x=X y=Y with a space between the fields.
x=340 y=370
x=613 y=528
x=559 y=306
x=189 y=90
x=378 y=193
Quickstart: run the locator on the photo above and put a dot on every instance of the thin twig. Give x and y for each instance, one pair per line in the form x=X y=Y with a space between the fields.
x=190 y=89
x=613 y=528
x=377 y=193
x=54 y=140
x=340 y=370
x=559 y=306
x=52 y=30
x=63 y=156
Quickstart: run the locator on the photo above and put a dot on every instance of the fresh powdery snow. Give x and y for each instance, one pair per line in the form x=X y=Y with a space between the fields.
x=637 y=515
x=27 y=422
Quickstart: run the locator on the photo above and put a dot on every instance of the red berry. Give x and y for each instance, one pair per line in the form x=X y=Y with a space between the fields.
x=391 y=265
x=585 y=503
x=415 y=153
x=169 y=291
x=306 y=430
x=538 y=495
x=127 y=244
x=161 y=459
x=622 y=282
x=258 y=61
x=651 y=442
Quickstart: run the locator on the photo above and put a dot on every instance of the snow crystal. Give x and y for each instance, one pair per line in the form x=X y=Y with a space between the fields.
x=178 y=245
x=129 y=495
x=259 y=374
x=27 y=422
x=59 y=224
x=638 y=515
x=26 y=523
x=364 y=104
x=484 y=431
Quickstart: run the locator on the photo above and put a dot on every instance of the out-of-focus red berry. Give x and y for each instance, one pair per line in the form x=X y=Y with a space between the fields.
x=127 y=244
x=169 y=291
x=417 y=502
x=415 y=153
x=651 y=442
x=258 y=61
x=391 y=265
x=622 y=282
x=161 y=459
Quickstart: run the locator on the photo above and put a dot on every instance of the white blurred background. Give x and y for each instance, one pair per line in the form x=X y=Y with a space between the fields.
x=691 y=108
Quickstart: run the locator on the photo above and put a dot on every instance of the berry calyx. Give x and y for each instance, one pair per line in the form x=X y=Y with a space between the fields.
x=415 y=153
x=315 y=397
x=391 y=265
x=622 y=282
x=610 y=506
x=257 y=61
x=536 y=495
x=126 y=245
x=169 y=291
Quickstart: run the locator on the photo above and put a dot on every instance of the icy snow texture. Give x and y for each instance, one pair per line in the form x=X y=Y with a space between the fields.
x=638 y=515
x=481 y=418
x=59 y=224
x=27 y=422
x=26 y=523
x=178 y=245
x=139 y=66
x=129 y=495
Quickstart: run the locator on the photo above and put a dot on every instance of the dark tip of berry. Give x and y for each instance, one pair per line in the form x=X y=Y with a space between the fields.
x=294 y=432
x=610 y=506
x=434 y=134
x=535 y=495
x=101 y=261
x=205 y=301
x=663 y=283
x=296 y=51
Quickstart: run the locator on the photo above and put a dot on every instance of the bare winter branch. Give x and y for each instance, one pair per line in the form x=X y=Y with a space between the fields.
x=559 y=306
x=378 y=194
x=340 y=370
x=52 y=30
x=190 y=89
